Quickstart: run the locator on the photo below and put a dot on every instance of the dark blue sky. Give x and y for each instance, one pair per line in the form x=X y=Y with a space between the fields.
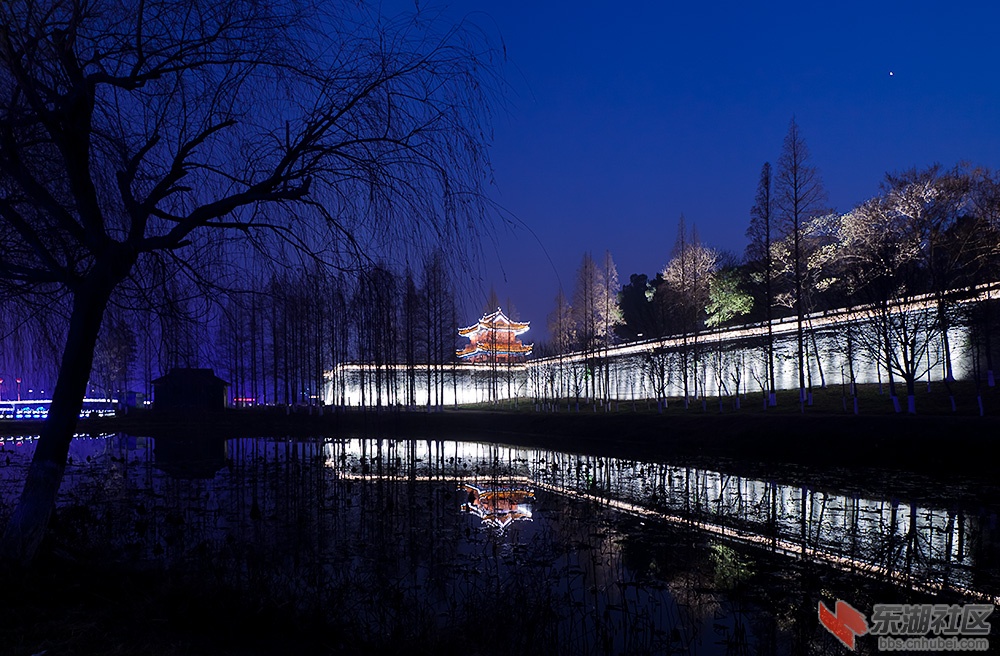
x=622 y=116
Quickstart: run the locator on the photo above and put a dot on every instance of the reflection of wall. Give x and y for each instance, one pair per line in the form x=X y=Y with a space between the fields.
x=924 y=545
x=394 y=554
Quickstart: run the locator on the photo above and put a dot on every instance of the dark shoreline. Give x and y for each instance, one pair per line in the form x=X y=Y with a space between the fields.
x=897 y=456
x=923 y=443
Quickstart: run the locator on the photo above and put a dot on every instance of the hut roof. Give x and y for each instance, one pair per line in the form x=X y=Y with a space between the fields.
x=190 y=376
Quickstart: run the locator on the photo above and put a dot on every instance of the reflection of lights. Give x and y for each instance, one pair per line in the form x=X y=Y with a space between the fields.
x=19 y=440
x=738 y=510
x=776 y=544
x=31 y=413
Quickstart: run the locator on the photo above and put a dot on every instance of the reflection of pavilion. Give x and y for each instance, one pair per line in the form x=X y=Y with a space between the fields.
x=498 y=507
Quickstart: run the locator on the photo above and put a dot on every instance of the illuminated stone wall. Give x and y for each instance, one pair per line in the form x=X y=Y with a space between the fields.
x=649 y=370
x=421 y=386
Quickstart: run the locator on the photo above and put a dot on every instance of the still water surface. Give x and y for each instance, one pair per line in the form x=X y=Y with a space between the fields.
x=463 y=544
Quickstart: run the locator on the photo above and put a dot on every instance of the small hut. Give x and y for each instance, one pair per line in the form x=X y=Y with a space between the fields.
x=190 y=389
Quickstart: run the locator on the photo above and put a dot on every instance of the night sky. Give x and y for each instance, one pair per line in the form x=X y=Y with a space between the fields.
x=623 y=116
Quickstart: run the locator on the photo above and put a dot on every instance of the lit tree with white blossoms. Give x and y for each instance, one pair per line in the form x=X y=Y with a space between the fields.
x=687 y=277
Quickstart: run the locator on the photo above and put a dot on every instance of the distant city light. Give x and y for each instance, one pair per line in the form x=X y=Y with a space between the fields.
x=40 y=409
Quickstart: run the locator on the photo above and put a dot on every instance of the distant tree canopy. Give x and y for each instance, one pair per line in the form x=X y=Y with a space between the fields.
x=930 y=231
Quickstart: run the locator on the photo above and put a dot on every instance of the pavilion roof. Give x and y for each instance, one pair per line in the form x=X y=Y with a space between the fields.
x=496 y=321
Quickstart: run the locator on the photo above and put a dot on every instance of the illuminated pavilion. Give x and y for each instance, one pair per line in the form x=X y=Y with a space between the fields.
x=495 y=339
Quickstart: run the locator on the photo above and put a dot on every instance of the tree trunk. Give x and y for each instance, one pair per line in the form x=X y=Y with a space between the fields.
x=27 y=526
x=892 y=388
x=819 y=361
x=949 y=375
x=772 y=390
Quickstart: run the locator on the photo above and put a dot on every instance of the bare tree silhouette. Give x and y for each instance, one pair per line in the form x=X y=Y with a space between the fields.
x=192 y=131
x=798 y=196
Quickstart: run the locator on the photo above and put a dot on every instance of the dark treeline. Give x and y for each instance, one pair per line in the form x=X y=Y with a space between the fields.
x=278 y=341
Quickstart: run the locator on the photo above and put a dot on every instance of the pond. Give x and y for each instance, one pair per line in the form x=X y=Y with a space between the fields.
x=482 y=548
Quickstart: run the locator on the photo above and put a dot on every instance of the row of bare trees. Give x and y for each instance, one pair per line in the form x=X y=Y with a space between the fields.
x=287 y=343
x=911 y=260
x=276 y=342
x=588 y=324
x=914 y=263
x=919 y=259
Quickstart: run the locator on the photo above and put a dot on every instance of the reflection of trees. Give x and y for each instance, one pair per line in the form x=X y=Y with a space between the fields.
x=368 y=535
x=917 y=548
